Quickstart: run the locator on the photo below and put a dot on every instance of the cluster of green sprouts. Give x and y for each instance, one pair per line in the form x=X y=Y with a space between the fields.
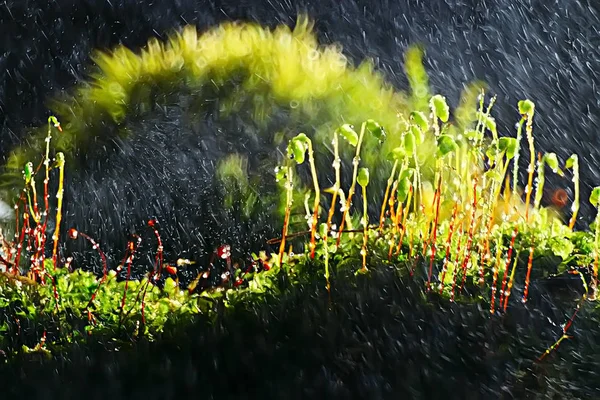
x=467 y=223
x=470 y=223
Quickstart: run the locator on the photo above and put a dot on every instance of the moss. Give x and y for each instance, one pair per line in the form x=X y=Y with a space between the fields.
x=240 y=62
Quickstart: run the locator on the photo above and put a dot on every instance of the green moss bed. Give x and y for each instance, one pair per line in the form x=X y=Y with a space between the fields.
x=432 y=270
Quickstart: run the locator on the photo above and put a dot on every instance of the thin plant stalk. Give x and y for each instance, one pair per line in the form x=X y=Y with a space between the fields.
x=527 y=277
x=516 y=158
x=315 y=215
x=434 y=230
x=531 y=168
x=289 y=185
x=408 y=202
x=573 y=163
x=448 y=246
x=355 y=163
x=508 y=260
x=511 y=279
x=365 y=222
x=385 y=196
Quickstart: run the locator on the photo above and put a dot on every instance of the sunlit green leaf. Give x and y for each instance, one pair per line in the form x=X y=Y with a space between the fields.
x=508 y=145
x=595 y=196
x=420 y=119
x=526 y=107
x=439 y=105
x=363 y=177
x=446 y=145
x=348 y=132
x=375 y=129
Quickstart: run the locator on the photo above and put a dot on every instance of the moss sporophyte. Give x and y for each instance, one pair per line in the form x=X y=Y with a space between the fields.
x=448 y=212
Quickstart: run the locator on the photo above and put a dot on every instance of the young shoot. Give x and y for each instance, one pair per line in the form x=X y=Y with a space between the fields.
x=356 y=141
x=572 y=163
x=300 y=145
x=363 y=181
x=60 y=164
x=527 y=110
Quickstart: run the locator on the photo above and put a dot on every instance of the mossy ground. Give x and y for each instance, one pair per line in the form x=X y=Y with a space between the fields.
x=378 y=334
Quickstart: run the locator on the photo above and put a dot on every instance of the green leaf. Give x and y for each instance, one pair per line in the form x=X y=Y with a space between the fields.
x=439 y=105
x=595 y=196
x=280 y=173
x=490 y=152
x=446 y=145
x=572 y=161
x=397 y=153
x=552 y=161
x=526 y=107
x=297 y=149
x=561 y=247
x=403 y=189
x=420 y=120
x=363 y=177
x=348 y=132
x=509 y=146
x=493 y=174
x=28 y=170
x=409 y=140
x=418 y=134
x=407 y=173
x=375 y=129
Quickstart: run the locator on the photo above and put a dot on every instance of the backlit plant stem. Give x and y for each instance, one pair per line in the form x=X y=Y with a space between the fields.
x=448 y=246
x=516 y=158
x=573 y=163
x=531 y=168
x=434 y=229
x=508 y=260
x=470 y=237
x=355 y=163
x=527 y=277
x=511 y=279
x=315 y=215
x=60 y=162
x=289 y=185
x=408 y=200
x=336 y=187
x=386 y=195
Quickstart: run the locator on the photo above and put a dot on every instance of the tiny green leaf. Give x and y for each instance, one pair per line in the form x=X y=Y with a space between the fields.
x=595 y=197
x=403 y=189
x=439 y=105
x=509 y=146
x=28 y=172
x=297 y=149
x=552 y=161
x=526 y=107
x=572 y=161
x=348 y=132
x=375 y=129
x=280 y=173
x=363 y=177
x=418 y=134
x=409 y=142
x=398 y=153
x=407 y=173
x=446 y=144
x=420 y=119
x=490 y=152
